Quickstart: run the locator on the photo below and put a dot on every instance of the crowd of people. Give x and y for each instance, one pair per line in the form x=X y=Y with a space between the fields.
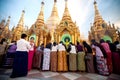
x=22 y=56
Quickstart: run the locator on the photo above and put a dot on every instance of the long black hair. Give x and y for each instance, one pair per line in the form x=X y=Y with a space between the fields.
x=49 y=45
x=102 y=41
x=85 y=44
x=89 y=49
x=78 y=43
x=54 y=43
x=23 y=36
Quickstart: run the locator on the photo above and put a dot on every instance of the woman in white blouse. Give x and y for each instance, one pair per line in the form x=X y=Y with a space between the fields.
x=72 y=58
x=53 y=59
x=62 y=57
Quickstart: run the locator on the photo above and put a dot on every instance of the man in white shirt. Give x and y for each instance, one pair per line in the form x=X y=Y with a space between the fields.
x=20 y=65
x=23 y=45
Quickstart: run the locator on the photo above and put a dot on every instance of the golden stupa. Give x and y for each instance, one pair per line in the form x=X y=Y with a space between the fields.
x=52 y=30
x=100 y=29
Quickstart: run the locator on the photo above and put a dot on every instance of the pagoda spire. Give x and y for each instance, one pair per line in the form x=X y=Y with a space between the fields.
x=55 y=0
x=7 y=23
x=97 y=17
x=21 y=21
x=54 y=10
x=41 y=14
x=13 y=28
x=66 y=11
x=54 y=19
x=6 y=31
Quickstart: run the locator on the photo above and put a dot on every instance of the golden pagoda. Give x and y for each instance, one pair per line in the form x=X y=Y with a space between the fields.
x=100 y=29
x=38 y=30
x=17 y=31
x=6 y=32
x=53 y=30
x=53 y=21
x=67 y=31
x=2 y=25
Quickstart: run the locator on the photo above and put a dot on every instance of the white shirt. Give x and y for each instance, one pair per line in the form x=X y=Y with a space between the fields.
x=118 y=46
x=73 y=50
x=23 y=45
x=61 y=47
x=54 y=48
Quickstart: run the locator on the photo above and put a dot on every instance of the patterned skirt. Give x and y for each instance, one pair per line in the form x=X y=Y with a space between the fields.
x=53 y=61
x=37 y=59
x=72 y=62
x=81 y=61
x=102 y=65
x=46 y=60
x=62 y=61
x=90 y=65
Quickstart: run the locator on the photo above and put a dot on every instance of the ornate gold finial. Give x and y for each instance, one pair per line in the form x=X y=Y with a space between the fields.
x=55 y=0
x=21 y=21
x=66 y=3
x=23 y=11
x=95 y=2
x=42 y=3
x=97 y=14
x=41 y=14
x=8 y=21
x=9 y=17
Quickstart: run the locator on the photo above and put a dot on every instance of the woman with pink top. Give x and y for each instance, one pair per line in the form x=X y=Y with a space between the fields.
x=108 y=53
x=100 y=59
x=31 y=53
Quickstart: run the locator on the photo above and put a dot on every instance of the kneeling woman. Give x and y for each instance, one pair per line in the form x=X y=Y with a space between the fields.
x=20 y=64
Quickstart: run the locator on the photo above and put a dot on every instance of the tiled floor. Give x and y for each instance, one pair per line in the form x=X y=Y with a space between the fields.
x=48 y=75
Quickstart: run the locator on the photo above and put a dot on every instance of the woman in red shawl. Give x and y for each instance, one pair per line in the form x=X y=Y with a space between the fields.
x=106 y=50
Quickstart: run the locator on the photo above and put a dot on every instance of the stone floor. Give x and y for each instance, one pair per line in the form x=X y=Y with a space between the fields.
x=48 y=75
